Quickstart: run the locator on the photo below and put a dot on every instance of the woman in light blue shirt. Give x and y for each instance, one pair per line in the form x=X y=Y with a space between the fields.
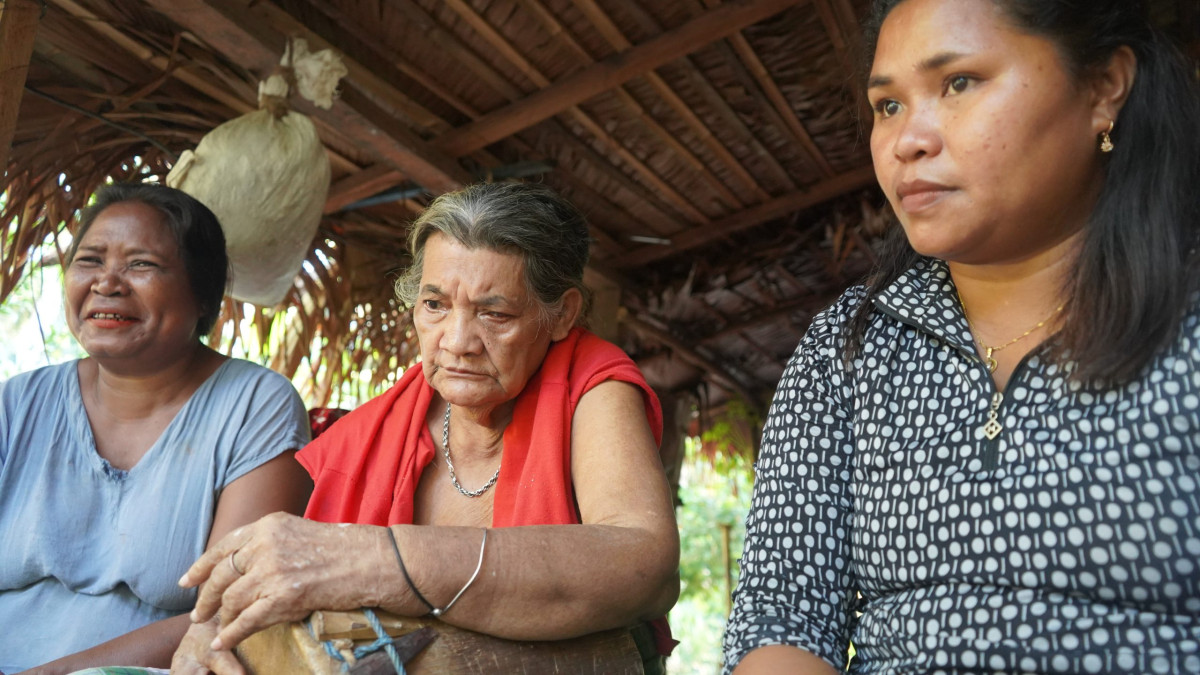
x=118 y=469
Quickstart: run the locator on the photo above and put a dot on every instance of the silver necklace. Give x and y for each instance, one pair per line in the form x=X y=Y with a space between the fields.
x=450 y=465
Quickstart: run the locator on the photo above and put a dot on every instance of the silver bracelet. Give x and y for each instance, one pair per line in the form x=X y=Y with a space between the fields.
x=435 y=613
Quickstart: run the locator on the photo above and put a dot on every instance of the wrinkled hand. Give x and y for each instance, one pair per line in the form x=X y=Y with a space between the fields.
x=195 y=657
x=288 y=567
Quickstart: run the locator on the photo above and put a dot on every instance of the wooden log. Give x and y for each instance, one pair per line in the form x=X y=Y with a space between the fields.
x=292 y=648
x=18 y=26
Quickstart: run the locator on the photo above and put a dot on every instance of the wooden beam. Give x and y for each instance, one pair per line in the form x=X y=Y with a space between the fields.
x=732 y=122
x=502 y=45
x=369 y=82
x=18 y=27
x=843 y=28
x=728 y=121
x=448 y=42
x=450 y=47
x=619 y=42
x=607 y=74
x=781 y=206
x=230 y=92
x=82 y=41
x=396 y=146
x=555 y=130
x=684 y=153
x=196 y=79
x=386 y=52
x=787 y=115
x=370 y=181
x=809 y=303
x=782 y=106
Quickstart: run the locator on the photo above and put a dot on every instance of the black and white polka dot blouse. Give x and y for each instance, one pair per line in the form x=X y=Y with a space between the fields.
x=883 y=513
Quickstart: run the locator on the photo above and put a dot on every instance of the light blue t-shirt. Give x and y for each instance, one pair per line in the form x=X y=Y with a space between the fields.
x=89 y=552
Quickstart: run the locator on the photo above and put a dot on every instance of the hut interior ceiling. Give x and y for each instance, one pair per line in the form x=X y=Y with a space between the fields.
x=714 y=145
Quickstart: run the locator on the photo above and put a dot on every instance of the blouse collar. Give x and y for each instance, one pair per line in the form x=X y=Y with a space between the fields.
x=925 y=298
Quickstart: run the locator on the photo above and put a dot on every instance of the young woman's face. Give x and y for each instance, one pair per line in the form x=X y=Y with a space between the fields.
x=983 y=141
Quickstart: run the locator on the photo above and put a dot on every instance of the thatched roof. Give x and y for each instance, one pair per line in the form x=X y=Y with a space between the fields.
x=714 y=146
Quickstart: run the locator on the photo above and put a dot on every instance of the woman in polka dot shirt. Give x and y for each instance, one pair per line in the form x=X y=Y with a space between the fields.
x=987 y=459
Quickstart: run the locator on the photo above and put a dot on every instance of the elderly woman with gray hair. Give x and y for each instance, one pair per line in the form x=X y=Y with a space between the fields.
x=510 y=485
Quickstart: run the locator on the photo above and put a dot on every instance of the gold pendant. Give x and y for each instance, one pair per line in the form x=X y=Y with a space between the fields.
x=991 y=364
x=993 y=428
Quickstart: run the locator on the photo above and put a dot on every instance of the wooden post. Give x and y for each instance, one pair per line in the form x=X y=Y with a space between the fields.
x=18 y=26
x=677 y=414
x=606 y=302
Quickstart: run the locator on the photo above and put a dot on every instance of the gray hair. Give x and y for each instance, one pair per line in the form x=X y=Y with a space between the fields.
x=527 y=219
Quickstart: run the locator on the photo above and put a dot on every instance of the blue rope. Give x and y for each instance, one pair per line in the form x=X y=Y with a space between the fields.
x=382 y=641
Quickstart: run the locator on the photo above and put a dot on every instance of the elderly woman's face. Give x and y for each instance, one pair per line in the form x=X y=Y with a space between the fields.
x=983 y=142
x=480 y=329
x=127 y=291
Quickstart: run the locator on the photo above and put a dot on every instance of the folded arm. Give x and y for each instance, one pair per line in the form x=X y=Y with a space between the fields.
x=539 y=582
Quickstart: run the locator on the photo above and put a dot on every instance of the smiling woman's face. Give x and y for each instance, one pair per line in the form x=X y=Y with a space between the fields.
x=481 y=332
x=127 y=290
x=983 y=142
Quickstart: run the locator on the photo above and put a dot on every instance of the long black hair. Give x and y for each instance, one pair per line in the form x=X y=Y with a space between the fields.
x=1137 y=267
x=195 y=228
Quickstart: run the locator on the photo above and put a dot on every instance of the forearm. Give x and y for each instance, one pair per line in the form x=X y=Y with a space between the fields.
x=540 y=582
x=149 y=646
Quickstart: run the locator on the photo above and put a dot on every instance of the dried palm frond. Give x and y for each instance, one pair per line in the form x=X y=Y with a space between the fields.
x=339 y=343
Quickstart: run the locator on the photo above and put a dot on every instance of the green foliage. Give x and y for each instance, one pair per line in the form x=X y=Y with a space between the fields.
x=34 y=327
x=715 y=502
x=732 y=436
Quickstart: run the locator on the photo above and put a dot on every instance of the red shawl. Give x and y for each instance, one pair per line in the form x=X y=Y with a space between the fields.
x=368 y=465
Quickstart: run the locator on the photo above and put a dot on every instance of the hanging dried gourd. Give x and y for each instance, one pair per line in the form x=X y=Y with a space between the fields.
x=266 y=176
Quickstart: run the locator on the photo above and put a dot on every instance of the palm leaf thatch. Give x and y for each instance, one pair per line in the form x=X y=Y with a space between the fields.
x=326 y=334
x=715 y=146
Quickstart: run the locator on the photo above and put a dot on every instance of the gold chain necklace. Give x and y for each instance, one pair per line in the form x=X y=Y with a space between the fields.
x=989 y=350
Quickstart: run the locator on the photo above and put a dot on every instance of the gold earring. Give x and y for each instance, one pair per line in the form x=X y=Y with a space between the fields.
x=1106 y=144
